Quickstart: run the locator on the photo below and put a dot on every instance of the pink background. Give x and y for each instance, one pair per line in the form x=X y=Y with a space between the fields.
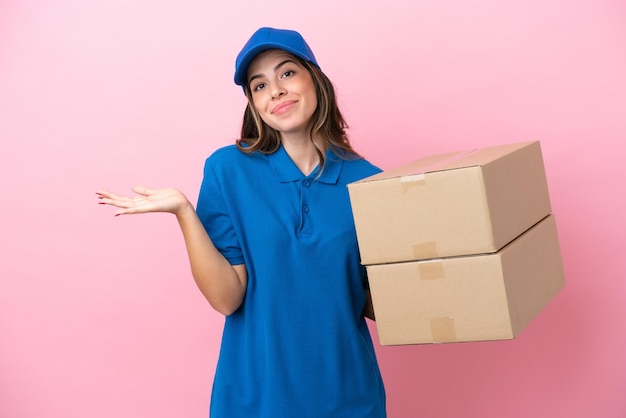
x=99 y=316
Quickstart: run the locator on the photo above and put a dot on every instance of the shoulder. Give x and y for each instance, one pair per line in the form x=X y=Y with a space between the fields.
x=225 y=154
x=361 y=163
x=357 y=168
x=230 y=157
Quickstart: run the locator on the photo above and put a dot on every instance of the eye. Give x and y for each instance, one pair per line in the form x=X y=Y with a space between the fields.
x=288 y=73
x=258 y=86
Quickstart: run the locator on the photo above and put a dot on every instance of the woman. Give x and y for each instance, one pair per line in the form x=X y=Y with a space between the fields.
x=272 y=246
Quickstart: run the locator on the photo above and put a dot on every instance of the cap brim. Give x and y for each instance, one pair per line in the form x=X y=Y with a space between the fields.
x=241 y=75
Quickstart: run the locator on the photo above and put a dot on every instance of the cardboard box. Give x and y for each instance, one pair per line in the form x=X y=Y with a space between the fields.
x=470 y=298
x=450 y=204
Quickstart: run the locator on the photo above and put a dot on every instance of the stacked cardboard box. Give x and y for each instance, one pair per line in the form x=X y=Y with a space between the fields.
x=460 y=246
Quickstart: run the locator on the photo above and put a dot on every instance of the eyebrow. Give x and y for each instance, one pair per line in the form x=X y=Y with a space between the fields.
x=275 y=69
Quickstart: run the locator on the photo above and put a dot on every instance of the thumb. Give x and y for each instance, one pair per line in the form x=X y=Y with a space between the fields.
x=144 y=191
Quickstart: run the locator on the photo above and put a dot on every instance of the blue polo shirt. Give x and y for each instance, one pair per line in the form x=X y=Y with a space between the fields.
x=298 y=346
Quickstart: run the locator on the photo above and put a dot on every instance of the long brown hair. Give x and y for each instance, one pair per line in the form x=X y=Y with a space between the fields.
x=328 y=123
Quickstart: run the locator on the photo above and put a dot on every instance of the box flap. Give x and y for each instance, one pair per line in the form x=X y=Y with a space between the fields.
x=449 y=161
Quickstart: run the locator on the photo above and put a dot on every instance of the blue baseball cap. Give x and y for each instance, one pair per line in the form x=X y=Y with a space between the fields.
x=270 y=38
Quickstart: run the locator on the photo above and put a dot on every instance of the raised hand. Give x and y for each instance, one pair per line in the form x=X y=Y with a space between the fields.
x=147 y=200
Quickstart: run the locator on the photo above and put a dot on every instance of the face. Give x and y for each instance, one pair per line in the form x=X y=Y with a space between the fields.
x=283 y=92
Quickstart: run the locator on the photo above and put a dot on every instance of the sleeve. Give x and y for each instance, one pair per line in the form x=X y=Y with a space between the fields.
x=214 y=213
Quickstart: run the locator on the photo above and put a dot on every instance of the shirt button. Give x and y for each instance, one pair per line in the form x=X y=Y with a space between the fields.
x=306 y=183
x=305 y=209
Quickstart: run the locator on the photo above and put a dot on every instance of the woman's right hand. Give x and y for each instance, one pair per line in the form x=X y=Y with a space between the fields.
x=221 y=283
x=147 y=200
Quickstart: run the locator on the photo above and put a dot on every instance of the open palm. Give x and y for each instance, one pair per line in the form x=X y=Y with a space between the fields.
x=147 y=200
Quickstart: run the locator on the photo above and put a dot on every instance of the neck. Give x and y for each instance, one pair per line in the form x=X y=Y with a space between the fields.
x=302 y=152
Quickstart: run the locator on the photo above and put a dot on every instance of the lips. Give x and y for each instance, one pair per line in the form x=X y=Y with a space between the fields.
x=283 y=107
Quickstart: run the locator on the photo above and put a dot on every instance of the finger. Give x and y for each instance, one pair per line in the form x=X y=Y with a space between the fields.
x=132 y=208
x=103 y=193
x=144 y=191
x=119 y=205
x=109 y=195
x=124 y=212
x=120 y=202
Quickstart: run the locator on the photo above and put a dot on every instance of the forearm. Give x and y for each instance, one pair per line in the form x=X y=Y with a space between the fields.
x=222 y=284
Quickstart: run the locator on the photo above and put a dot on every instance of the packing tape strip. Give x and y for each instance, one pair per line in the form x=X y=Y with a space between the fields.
x=443 y=330
x=413 y=180
x=425 y=250
x=419 y=179
x=431 y=270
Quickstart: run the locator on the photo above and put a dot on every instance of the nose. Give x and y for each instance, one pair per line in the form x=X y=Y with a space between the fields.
x=278 y=91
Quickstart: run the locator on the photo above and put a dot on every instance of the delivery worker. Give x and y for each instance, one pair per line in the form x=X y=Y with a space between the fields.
x=272 y=246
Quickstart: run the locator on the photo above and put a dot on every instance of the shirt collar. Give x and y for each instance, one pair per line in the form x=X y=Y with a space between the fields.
x=287 y=171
